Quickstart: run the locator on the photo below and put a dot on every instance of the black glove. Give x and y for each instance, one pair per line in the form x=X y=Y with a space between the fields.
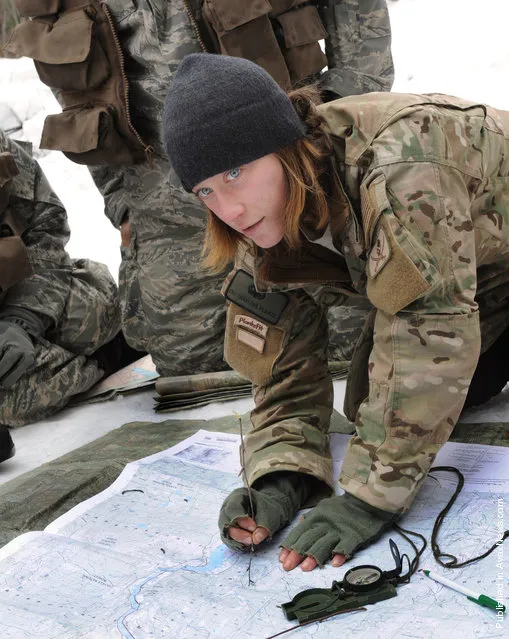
x=17 y=352
x=276 y=498
x=338 y=525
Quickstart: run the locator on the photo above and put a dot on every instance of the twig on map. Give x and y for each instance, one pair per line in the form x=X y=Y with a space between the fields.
x=251 y=507
x=307 y=623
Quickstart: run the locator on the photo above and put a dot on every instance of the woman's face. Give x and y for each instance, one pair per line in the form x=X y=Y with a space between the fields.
x=250 y=199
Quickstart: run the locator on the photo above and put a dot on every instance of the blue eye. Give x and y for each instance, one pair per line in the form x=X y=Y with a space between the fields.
x=233 y=174
x=204 y=191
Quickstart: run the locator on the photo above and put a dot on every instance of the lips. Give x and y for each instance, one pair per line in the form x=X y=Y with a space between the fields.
x=253 y=227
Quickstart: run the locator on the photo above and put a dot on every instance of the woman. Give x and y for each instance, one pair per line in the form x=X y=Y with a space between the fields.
x=401 y=198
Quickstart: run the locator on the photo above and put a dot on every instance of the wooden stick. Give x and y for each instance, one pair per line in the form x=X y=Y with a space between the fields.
x=307 y=623
x=243 y=470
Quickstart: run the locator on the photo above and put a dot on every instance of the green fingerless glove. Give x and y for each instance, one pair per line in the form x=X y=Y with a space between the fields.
x=276 y=498
x=341 y=524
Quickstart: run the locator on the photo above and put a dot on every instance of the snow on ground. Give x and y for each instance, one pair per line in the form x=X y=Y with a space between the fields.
x=458 y=47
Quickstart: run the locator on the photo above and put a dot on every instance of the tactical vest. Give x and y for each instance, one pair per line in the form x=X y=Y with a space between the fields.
x=280 y=35
x=14 y=262
x=76 y=52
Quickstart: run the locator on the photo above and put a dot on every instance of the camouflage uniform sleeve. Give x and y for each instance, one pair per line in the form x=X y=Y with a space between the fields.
x=358 y=47
x=292 y=387
x=47 y=232
x=422 y=279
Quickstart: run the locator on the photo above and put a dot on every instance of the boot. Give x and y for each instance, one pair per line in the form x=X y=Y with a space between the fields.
x=7 y=448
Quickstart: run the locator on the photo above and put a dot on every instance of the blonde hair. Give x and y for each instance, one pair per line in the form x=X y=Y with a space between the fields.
x=304 y=163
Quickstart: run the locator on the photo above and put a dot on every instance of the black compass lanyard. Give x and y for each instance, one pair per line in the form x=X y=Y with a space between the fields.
x=444 y=559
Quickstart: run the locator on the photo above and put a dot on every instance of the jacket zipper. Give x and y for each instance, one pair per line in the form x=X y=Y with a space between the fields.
x=146 y=147
x=194 y=25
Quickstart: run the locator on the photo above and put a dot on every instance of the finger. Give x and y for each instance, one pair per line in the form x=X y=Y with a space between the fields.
x=292 y=560
x=309 y=564
x=246 y=523
x=259 y=535
x=283 y=554
x=240 y=535
x=338 y=560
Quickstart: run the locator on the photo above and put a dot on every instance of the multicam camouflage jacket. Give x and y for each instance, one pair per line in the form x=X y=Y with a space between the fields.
x=419 y=224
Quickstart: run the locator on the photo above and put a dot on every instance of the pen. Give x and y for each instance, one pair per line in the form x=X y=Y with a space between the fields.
x=482 y=600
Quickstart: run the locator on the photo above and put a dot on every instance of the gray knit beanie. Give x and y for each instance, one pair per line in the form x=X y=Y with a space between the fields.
x=222 y=112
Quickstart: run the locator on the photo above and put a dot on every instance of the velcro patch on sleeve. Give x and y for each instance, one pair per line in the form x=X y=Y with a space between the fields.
x=266 y=306
x=396 y=280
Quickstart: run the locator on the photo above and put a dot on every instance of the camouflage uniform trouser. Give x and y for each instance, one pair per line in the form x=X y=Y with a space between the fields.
x=64 y=364
x=170 y=308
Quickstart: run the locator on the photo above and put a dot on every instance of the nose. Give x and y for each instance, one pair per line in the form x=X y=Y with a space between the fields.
x=230 y=209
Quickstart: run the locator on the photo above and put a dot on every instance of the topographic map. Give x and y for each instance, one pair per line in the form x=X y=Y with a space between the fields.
x=144 y=560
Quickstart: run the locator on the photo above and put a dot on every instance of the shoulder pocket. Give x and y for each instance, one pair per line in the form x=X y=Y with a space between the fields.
x=251 y=347
x=399 y=269
x=394 y=281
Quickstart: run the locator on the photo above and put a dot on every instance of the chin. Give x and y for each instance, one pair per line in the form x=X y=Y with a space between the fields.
x=267 y=243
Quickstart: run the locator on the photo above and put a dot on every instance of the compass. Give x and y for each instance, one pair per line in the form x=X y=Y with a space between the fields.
x=360 y=586
x=363 y=578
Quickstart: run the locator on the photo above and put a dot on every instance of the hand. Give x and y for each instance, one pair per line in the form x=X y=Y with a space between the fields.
x=125 y=233
x=276 y=498
x=334 y=529
x=17 y=353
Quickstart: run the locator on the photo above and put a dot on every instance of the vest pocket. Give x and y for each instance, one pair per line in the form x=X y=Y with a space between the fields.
x=280 y=6
x=78 y=54
x=32 y=8
x=66 y=54
x=226 y=15
x=86 y=135
x=244 y=30
x=302 y=29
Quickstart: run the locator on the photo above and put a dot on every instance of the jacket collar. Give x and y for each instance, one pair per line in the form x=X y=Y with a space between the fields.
x=313 y=263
